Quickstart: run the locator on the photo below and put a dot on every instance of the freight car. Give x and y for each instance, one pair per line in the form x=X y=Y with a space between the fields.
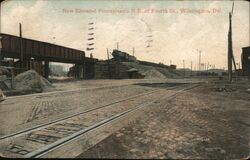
x=122 y=56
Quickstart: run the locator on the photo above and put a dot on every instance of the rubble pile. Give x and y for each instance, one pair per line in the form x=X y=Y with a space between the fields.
x=31 y=80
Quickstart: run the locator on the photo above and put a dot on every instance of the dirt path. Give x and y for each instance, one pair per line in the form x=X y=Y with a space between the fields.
x=202 y=123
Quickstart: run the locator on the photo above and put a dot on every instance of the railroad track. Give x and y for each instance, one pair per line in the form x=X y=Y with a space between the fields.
x=54 y=93
x=71 y=116
x=40 y=140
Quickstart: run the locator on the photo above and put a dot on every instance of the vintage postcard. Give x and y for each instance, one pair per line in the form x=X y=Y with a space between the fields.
x=125 y=79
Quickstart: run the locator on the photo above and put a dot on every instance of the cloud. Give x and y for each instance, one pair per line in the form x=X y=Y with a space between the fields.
x=175 y=36
x=25 y=15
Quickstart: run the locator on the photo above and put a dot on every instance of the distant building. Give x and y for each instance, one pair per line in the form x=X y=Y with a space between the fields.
x=218 y=72
x=245 y=57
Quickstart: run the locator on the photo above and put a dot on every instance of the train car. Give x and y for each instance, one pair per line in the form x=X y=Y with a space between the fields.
x=122 y=56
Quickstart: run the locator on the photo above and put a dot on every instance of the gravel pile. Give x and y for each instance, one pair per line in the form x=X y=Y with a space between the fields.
x=31 y=80
x=4 y=78
x=4 y=71
x=153 y=74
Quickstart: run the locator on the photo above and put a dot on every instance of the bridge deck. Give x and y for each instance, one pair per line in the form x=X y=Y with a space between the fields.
x=11 y=48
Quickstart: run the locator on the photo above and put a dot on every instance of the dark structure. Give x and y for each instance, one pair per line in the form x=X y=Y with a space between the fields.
x=122 y=56
x=111 y=70
x=172 y=66
x=245 y=57
x=28 y=51
x=134 y=74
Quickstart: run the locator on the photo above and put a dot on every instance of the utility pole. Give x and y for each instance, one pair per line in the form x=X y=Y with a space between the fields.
x=133 y=51
x=1 y=57
x=108 y=63
x=207 y=66
x=230 y=47
x=199 y=60
x=229 y=56
x=184 y=67
x=199 y=65
x=21 y=45
x=191 y=68
x=0 y=16
x=117 y=45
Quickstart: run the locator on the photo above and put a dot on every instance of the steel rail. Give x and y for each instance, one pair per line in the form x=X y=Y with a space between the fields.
x=41 y=126
x=53 y=146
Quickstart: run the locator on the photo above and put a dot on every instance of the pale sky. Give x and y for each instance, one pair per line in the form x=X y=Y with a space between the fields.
x=175 y=35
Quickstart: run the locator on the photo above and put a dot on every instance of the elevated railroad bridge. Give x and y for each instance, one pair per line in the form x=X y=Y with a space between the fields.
x=34 y=54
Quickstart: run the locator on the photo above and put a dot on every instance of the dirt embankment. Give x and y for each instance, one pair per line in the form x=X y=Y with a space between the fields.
x=152 y=72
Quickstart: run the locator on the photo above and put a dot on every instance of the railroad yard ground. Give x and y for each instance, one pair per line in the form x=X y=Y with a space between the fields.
x=209 y=120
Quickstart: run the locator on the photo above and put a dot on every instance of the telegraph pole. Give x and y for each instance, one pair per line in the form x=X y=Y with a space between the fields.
x=1 y=57
x=199 y=60
x=199 y=65
x=191 y=67
x=229 y=56
x=133 y=51
x=108 y=63
x=117 y=45
x=0 y=16
x=21 y=45
x=184 y=67
x=208 y=66
x=230 y=47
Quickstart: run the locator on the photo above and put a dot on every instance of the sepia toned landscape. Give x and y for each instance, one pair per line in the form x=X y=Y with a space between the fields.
x=127 y=79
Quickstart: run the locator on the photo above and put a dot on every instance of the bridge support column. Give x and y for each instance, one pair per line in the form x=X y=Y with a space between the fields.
x=46 y=69
x=84 y=69
x=76 y=71
x=81 y=71
x=1 y=56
